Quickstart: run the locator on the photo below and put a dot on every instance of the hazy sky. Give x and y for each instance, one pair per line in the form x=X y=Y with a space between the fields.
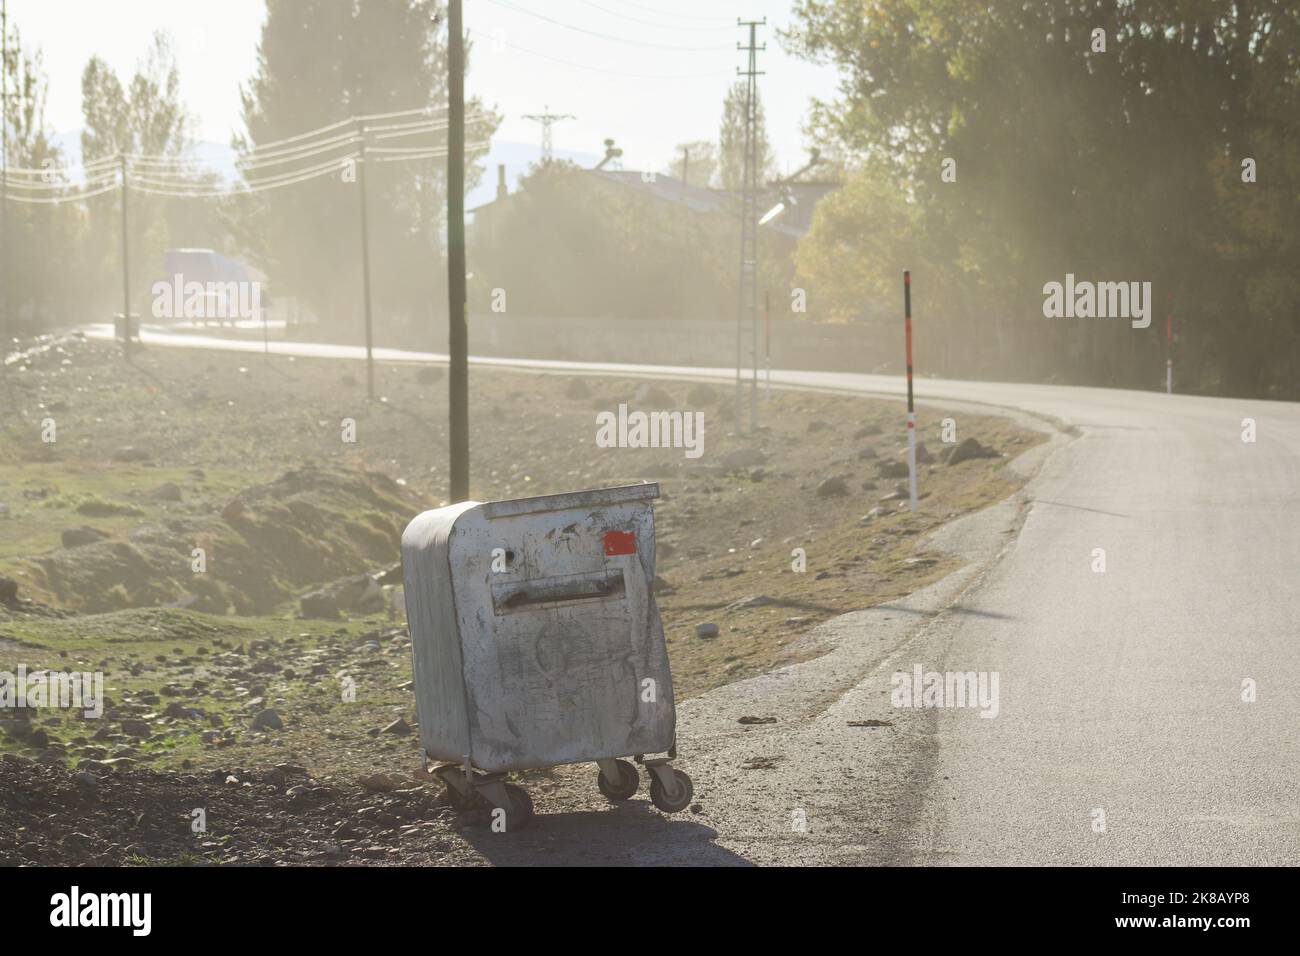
x=647 y=114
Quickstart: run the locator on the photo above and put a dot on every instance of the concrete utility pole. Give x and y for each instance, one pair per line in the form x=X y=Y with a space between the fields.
x=458 y=335
x=747 y=299
x=547 y=119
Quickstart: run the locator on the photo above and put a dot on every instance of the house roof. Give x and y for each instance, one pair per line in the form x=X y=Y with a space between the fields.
x=794 y=221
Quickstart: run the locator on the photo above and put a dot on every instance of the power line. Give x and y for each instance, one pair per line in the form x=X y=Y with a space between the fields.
x=684 y=16
x=661 y=26
x=623 y=73
x=610 y=36
x=60 y=200
x=173 y=189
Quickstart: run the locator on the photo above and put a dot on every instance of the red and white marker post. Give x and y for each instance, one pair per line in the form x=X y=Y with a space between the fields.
x=911 y=411
x=1169 y=352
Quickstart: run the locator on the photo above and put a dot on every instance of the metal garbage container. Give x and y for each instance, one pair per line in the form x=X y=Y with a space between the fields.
x=536 y=641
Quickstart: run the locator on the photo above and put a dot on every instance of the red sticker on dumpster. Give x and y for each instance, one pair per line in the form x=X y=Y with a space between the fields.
x=620 y=542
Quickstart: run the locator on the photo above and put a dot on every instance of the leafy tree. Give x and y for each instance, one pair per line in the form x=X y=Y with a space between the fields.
x=35 y=289
x=1122 y=164
x=696 y=163
x=568 y=242
x=146 y=117
x=320 y=61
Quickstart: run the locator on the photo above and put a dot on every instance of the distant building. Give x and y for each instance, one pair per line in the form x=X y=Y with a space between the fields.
x=794 y=221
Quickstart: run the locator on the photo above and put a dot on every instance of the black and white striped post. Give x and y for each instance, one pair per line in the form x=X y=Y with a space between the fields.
x=911 y=410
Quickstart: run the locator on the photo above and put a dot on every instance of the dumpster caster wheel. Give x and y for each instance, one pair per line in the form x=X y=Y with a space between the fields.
x=672 y=802
x=521 y=807
x=459 y=801
x=625 y=788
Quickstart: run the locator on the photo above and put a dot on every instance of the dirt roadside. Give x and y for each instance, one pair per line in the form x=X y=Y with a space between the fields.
x=343 y=791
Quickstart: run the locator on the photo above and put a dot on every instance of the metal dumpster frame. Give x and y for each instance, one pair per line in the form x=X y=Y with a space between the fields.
x=516 y=669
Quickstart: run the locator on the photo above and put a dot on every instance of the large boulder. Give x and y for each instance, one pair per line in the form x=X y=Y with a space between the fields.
x=358 y=594
x=832 y=487
x=970 y=448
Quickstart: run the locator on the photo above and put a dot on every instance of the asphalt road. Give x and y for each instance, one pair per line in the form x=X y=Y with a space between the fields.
x=1121 y=734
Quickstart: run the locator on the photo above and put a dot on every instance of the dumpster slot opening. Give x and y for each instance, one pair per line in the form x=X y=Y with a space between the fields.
x=511 y=596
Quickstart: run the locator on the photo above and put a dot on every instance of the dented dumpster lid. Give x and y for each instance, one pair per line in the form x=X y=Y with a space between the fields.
x=600 y=497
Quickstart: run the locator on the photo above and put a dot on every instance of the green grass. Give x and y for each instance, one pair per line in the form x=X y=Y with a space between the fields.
x=114 y=498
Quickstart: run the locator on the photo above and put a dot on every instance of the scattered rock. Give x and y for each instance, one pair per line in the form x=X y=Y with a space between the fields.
x=136 y=728
x=701 y=394
x=817 y=426
x=970 y=448
x=652 y=396
x=380 y=783
x=741 y=458
x=267 y=720
x=168 y=491
x=832 y=487
x=754 y=600
x=889 y=468
x=82 y=535
x=871 y=723
x=359 y=594
x=757 y=720
x=131 y=453
x=706 y=630
x=399 y=728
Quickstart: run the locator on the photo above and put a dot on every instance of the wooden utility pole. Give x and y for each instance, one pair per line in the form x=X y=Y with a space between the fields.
x=747 y=294
x=365 y=262
x=4 y=181
x=458 y=336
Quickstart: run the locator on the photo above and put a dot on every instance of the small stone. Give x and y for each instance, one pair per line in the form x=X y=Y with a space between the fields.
x=706 y=630
x=399 y=728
